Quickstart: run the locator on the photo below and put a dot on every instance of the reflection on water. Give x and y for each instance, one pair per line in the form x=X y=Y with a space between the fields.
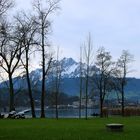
x=65 y=113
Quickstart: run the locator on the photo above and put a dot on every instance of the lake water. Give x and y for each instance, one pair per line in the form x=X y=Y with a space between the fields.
x=65 y=113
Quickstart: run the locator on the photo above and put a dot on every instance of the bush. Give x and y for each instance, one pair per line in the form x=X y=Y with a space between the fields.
x=128 y=111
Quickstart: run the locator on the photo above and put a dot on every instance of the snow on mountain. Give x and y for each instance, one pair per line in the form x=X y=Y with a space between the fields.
x=67 y=62
x=36 y=74
x=70 y=69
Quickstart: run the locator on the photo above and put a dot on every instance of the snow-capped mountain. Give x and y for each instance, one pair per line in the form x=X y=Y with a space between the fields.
x=69 y=69
x=70 y=78
x=70 y=73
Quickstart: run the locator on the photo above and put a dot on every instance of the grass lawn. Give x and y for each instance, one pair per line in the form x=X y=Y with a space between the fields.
x=68 y=129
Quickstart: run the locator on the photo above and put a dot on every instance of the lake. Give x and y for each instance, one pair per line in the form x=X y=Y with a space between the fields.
x=64 y=113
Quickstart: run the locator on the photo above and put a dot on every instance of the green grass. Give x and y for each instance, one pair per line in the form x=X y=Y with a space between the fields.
x=68 y=129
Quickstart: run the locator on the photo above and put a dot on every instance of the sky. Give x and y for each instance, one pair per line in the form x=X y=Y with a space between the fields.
x=114 y=24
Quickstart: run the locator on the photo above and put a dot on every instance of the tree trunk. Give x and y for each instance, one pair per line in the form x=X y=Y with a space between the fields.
x=43 y=94
x=43 y=88
x=86 y=98
x=30 y=94
x=81 y=83
x=101 y=107
x=11 y=90
x=80 y=106
x=80 y=98
x=56 y=95
x=56 y=105
x=43 y=74
x=122 y=100
x=31 y=97
x=29 y=86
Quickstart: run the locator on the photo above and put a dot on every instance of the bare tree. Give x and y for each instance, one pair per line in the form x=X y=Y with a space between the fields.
x=122 y=70
x=44 y=28
x=28 y=29
x=88 y=55
x=81 y=83
x=103 y=77
x=10 y=54
x=58 y=71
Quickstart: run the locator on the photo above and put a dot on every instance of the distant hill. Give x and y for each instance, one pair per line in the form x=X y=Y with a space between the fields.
x=70 y=79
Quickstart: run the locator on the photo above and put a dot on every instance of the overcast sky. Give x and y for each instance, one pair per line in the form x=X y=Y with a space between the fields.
x=114 y=24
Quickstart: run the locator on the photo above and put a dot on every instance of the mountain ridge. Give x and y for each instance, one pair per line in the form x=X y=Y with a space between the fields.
x=69 y=78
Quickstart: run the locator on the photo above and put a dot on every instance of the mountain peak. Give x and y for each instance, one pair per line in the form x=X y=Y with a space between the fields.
x=68 y=61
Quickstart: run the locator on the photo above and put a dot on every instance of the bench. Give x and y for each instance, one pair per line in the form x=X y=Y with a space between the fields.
x=115 y=127
x=95 y=114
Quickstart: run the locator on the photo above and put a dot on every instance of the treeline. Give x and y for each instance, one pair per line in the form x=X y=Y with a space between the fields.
x=25 y=34
x=29 y=33
x=109 y=76
x=22 y=99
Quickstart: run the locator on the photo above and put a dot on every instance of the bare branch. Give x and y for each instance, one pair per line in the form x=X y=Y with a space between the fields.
x=5 y=5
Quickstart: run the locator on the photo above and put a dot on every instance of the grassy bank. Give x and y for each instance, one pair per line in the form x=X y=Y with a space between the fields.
x=68 y=129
